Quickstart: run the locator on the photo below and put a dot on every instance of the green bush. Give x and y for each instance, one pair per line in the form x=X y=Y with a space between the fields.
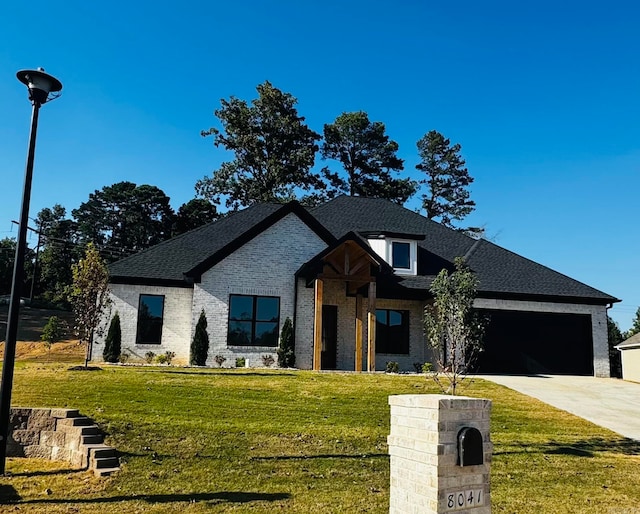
x=427 y=367
x=161 y=359
x=149 y=356
x=392 y=367
x=240 y=362
x=168 y=356
x=113 y=342
x=200 y=343
x=286 y=350
x=53 y=331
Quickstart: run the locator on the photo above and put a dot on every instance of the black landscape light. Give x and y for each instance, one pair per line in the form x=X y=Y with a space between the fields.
x=42 y=88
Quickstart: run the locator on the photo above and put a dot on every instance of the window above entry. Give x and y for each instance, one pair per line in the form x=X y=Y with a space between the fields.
x=400 y=253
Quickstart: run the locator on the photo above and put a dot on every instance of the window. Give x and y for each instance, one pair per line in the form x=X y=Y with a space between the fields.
x=253 y=320
x=150 y=315
x=401 y=255
x=392 y=331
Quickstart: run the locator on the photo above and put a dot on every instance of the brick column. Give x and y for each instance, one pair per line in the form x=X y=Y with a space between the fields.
x=423 y=444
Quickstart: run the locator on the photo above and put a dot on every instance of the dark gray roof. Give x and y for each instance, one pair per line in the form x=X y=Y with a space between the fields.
x=169 y=261
x=502 y=273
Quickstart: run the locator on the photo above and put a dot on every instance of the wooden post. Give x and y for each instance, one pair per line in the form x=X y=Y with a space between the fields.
x=317 y=325
x=371 y=328
x=358 y=359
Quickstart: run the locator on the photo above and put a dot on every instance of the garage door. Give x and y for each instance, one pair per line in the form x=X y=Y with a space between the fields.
x=534 y=342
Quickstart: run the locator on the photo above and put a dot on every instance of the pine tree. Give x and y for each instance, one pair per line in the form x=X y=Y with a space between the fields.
x=286 y=350
x=113 y=342
x=200 y=343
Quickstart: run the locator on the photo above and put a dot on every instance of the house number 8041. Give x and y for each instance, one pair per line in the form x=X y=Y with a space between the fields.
x=464 y=499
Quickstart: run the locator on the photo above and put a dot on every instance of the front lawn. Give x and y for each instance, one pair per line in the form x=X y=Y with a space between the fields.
x=262 y=441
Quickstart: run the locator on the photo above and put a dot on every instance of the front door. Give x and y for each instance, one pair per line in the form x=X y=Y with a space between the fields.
x=328 y=358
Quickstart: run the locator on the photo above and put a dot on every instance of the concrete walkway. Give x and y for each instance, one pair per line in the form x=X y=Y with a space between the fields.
x=608 y=402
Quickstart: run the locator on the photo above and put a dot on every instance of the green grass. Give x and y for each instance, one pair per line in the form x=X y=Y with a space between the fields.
x=239 y=440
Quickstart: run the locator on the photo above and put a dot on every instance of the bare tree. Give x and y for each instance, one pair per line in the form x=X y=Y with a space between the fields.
x=89 y=296
x=453 y=329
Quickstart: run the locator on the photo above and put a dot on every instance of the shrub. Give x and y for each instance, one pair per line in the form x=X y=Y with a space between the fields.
x=169 y=357
x=427 y=367
x=240 y=362
x=161 y=359
x=113 y=342
x=286 y=350
x=53 y=331
x=392 y=367
x=123 y=358
x=268 y=360
x=149 y=356
x=417 y=366
x=220 y=360
x=200 y=343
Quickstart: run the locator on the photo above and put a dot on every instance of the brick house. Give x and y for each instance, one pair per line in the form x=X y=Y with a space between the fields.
x=353 y=275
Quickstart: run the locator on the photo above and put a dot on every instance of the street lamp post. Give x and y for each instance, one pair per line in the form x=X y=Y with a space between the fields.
x=40 y=85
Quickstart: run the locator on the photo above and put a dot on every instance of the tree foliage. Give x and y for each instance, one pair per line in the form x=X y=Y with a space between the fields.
x=286 y=350
x=368 y=157
x=200 y=343
x=125 y=218
x=113 y=341
x=274 y=151
x=635 y=325
x=58 y=237
x=54 y=331
x=89 y=296
x=7 y=259
x=615 y=338
x=447 y=179
x=193 y=214
x=453 y=329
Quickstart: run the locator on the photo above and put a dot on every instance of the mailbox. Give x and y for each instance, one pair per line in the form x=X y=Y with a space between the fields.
x=470 y=451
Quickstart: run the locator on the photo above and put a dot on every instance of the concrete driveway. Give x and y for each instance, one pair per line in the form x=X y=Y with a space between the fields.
x=608 y=402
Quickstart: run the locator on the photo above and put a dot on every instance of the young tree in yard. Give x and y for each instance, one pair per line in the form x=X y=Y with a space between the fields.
x=53 y=332
x=447 y=180
x=615 y=338
x=200 y=343
x=89 y=296
x=453 y=330
x=368 y=158
x=113 y=341
x=274 y=151
x=286 y=350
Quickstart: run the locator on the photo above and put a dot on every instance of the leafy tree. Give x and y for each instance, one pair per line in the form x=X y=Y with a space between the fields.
x=635 y=327
x=7 y=259
x=274 y=151
x=193 y=214
x=125 y=218
x=60 y=250
x=286 y=350
x=447 y=181
x=615 y=338
x=368 y=157
x=89 y=296
x=200 y=343
x=454 y=331
x=113 y=341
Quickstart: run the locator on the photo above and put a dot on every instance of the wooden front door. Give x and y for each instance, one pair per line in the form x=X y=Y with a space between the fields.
x=328 y=357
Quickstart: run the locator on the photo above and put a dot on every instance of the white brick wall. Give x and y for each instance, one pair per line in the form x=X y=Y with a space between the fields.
x=598 y=315
x=176 y=326
x=264 y=266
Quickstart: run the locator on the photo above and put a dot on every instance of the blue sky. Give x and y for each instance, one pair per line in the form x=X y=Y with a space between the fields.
x=544 y=98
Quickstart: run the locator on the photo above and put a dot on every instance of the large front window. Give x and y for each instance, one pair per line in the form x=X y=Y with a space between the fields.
x=392 y=331
x=150 y=315
x=253 y=320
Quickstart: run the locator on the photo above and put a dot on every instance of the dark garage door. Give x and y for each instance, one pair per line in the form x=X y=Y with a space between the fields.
x=535 y=342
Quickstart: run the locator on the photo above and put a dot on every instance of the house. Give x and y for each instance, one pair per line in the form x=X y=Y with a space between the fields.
x=353 y=275
x=630 y=353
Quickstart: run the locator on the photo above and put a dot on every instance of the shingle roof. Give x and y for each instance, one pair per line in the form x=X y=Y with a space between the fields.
x=632 y=342
x=501 y=272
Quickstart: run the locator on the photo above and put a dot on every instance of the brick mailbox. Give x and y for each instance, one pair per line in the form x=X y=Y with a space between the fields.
x=440 y=450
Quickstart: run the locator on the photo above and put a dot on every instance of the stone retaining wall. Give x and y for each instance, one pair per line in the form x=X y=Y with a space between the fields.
x=60 y=434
